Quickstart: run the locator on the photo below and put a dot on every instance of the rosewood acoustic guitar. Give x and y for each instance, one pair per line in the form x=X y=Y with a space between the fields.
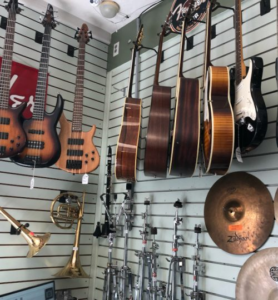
x=186 y=133
x=218 y=143
x=43 y=146
x=12 y=135
x=249 y=107
x=157 y=139
x=126 y=153
x=78 y=152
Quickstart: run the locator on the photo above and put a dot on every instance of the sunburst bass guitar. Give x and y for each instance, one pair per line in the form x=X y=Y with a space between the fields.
x=43 y=147
x=78 y=152
x=126 y=153
x=12 y=135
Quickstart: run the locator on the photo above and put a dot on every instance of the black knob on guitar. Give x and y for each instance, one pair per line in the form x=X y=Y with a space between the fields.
x=12 y=141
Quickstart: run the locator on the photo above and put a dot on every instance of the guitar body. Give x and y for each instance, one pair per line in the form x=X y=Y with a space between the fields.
x=126 y=154
x=77 y=158
x=218 y=122
x=186 y=133
x=43 y=144
x=156 y=153
x=249 y=108
x=12 y=135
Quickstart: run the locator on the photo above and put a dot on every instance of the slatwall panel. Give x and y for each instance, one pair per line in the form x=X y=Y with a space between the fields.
x=259 y=38
x=32 y=206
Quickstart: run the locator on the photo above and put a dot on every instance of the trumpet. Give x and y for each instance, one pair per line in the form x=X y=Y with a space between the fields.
x=35 y=242
x=64 y=215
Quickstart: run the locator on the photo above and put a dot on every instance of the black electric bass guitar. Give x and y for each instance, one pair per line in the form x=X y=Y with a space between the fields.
x=12 y=135
x=43 y=146
x=249 y=108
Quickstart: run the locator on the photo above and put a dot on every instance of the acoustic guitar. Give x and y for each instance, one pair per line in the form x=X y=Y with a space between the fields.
x=78 y=152
x=249 y=107
x=43 y=146
x=12 y=135
x=218 y=143
x=186 y=132
x=157 y=139
x=126 y=153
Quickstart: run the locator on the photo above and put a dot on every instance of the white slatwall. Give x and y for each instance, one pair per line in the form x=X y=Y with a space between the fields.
x=259 y=38
x=16 y=271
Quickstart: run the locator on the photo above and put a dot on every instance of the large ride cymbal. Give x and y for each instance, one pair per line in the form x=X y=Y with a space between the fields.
x=239 y=213
x=258 y=278
x=276 y=206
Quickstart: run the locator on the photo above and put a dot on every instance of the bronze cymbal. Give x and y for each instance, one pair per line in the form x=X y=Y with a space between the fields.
x=239 y=213
x=258 y=278
x=276 y=206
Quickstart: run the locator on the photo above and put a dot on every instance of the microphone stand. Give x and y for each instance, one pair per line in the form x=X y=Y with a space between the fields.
x=176 y=263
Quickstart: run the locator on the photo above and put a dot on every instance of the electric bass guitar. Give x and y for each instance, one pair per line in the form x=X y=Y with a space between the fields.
x=43 y=146
x=157 y=139
x=249 y=107
x=218 y=143
x=126 y=153
x=78 y=153
x=12 y=135
x=186 y=133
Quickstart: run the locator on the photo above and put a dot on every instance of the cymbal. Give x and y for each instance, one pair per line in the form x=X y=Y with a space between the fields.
x=258 y=278
x=276 y=206
x=239 y=213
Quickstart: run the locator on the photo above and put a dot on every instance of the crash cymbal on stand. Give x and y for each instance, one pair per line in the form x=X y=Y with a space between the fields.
x=258 y=278
x=239 y=213
x=276 y=206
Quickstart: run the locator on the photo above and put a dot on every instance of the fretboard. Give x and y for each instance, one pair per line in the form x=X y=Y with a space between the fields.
x=129 y=91
x=207 y=61
x=6 y=67
x=79 y=86
x=239 y=53
x=39 y=104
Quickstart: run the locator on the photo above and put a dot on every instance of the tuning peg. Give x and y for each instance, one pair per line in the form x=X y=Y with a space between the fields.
x=90 y=34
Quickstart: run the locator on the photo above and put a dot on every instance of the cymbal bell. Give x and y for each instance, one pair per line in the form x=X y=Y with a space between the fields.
x=258 y=278
x=239 y=213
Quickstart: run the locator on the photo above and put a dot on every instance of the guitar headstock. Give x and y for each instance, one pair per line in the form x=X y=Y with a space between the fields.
x=12 y=7
x=83 y=34
x=140 y=37
x=48 y=19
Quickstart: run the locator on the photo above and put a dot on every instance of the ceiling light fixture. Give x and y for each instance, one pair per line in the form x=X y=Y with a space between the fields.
x=95 y=2
x=109 y=8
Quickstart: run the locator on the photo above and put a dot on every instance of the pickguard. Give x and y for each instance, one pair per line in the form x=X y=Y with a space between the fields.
x=244 y=105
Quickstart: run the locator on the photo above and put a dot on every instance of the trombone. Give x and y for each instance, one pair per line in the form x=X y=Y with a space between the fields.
x=35 y=242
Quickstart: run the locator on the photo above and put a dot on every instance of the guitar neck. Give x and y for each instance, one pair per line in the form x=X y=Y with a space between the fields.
x=38 y=113
x=129 y=93
x=79 y=87
x=207 y=61
x=240 y=66
x=6 y=67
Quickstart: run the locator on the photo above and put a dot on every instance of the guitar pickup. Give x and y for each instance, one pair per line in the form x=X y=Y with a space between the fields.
x=4 y=121
x=72 y=152
x=78 y=142
x=2 y=150
x=35 y=131
x=4 y=135
x=35 y=145
x=74 y=164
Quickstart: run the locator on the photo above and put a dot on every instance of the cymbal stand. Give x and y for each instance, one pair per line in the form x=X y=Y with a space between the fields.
x=176 y=263
x=142 y=255
x=125 y=275
x=154 y=290
x=197 y=268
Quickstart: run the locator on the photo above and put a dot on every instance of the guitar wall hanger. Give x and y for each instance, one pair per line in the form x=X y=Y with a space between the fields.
x=71 y=50
x=121 y=90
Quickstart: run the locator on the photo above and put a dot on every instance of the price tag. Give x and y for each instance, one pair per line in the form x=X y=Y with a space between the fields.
x=85 y=179
x=238 y=155
x=32 y=183
x=75 y=248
